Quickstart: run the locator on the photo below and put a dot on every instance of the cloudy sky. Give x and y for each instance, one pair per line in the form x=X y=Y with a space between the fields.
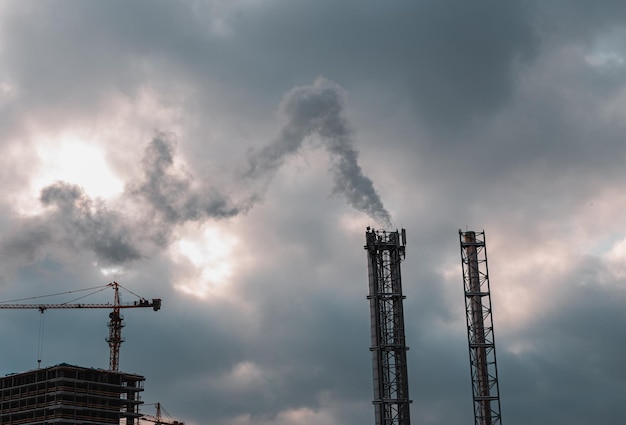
x=227 y=156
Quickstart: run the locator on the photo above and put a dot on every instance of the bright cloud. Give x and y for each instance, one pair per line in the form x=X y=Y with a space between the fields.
x=211 y=253
x=73 y=160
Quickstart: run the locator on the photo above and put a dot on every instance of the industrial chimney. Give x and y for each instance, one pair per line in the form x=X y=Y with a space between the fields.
x=385 y=251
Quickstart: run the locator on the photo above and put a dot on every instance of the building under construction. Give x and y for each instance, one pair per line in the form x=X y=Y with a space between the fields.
x=385 y=251
x=66 y=394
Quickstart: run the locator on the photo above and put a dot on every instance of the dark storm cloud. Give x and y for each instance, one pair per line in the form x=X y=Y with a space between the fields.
x=578 y=20
x=456 y=60
x=93 y=54
x=87 y=43
x=319 y=110
x=569 y=344
x=466 y=58
x=27 y=245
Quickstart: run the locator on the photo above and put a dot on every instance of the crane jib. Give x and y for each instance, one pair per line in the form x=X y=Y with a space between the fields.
x=116 y=320
x=155 y=304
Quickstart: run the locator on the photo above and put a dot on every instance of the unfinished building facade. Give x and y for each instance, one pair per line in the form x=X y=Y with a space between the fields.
x=66 y=394
x=385 y=251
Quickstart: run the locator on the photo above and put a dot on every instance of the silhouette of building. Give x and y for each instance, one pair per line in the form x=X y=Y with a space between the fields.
x=66 y=394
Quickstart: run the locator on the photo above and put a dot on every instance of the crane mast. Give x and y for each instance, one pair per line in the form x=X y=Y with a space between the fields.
x=116 y=320
x=116 y=323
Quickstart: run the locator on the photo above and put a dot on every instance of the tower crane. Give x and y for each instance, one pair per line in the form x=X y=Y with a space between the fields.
x=116 y=322
x=158 y=419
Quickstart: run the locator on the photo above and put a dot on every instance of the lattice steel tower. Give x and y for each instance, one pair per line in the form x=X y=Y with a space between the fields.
x=385 y=251
x=482 y=349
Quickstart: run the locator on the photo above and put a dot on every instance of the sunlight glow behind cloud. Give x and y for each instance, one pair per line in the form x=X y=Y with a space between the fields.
x=77 y=162
x=210 y=253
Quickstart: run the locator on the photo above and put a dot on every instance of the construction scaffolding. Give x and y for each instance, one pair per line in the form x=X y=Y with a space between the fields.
x=385 y=251
x=481 y=340
x=66 y=394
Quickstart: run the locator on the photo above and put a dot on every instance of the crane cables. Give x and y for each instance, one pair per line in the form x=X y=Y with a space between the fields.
x=95 y=290
x=40 y=340
x=98 y=289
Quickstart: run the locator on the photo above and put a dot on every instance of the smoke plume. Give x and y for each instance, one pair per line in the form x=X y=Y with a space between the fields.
x=319 y=110
x=172 y=193
x=164 y=195
x=75 y=221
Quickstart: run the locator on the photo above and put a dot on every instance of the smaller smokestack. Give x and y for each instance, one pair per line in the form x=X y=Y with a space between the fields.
x=481 y=340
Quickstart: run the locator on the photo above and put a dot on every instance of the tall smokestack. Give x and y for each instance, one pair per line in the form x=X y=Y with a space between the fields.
x=385 y=251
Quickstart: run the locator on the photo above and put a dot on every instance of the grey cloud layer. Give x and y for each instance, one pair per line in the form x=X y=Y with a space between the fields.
x=456 y=61
x=498 y=122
